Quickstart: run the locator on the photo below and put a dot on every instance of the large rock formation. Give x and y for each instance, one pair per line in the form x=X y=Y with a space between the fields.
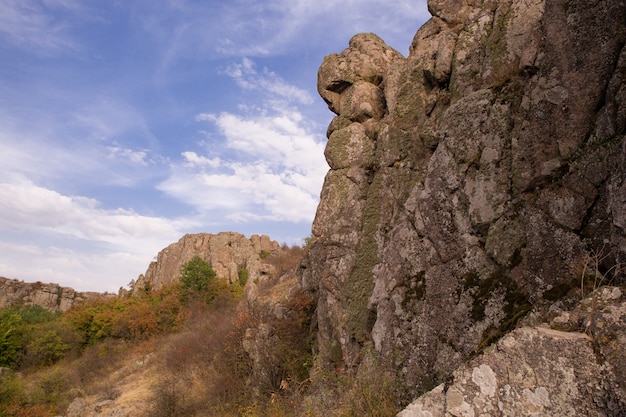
x=227 y=252
x=540 y=371
x=52 y=297
x=476 y=180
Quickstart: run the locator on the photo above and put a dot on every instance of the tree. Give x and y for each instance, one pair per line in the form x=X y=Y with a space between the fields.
x=11 y=329
x=198 y=280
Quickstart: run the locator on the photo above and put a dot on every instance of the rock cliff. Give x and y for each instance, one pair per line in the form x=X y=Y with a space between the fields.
x=541 y=371
x=477 y=180
x=52 y=297
x=227 y=252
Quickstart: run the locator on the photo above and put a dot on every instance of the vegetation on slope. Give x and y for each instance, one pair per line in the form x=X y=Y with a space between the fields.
x=197 y=348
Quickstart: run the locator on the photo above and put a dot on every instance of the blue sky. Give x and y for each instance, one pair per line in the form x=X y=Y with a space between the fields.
x=126 y=124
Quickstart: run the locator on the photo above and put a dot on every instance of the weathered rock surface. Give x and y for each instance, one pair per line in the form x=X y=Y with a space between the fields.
x=541 y=371
x=52 y=297
x=472 y=182
x=227 y=252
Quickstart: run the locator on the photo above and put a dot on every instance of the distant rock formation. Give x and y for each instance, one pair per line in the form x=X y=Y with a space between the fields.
x=227 y=252
x=477 y=180
x=52 y=297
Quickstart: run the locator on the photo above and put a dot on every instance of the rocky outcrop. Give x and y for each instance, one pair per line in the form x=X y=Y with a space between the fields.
x=476 y=180
x=52 y=297
x=541 y=371
x=227 y=252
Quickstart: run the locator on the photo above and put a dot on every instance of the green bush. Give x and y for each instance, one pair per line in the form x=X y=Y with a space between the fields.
x=198 y=281
x=243 y=274
x=11 y=388
x=47 y=348
x=47 y=343
x=11 y=334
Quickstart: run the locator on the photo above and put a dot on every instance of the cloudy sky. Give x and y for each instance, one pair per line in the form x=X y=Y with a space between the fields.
x=126 y=124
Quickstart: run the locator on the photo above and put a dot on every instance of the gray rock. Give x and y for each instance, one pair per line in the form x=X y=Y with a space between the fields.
x=541 y=371
x=479 y=191
x=227 y=252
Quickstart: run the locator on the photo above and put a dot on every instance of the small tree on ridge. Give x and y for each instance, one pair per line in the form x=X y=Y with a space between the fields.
x=198 y=279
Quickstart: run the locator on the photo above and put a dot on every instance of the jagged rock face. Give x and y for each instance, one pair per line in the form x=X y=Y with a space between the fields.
x=227 y=252
x=469 y=182
x=540 y=371
x=52 y=297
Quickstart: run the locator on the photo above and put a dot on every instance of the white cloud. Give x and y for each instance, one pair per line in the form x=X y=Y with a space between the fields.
x=52 y=237
x=277 y=27
x=195 y=160
x=136 y=157
x=271 y=159
x=277 y=173
x=76 y=268
x=277 y=139
x=26 y=206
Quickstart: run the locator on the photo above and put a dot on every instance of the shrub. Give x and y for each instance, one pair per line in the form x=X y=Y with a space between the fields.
x=242 y=274
x=169 y=399
x=11 y=389
x=368 y=390
x=11 y=333
x=372 y=391
x=52 y=385
x=287 y=260
x=23 y=410
x=134 y=318
x=97 y=361
x=46 y=348
x=295 y=338
x=309 y=241
x=207 y=364
x=198 y=281
x=47 y=343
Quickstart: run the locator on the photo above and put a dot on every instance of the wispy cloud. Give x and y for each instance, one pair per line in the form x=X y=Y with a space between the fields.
x=269 y=28
x=39 y=26
x=135 y=157
x=247 y=77
x=106 y=141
